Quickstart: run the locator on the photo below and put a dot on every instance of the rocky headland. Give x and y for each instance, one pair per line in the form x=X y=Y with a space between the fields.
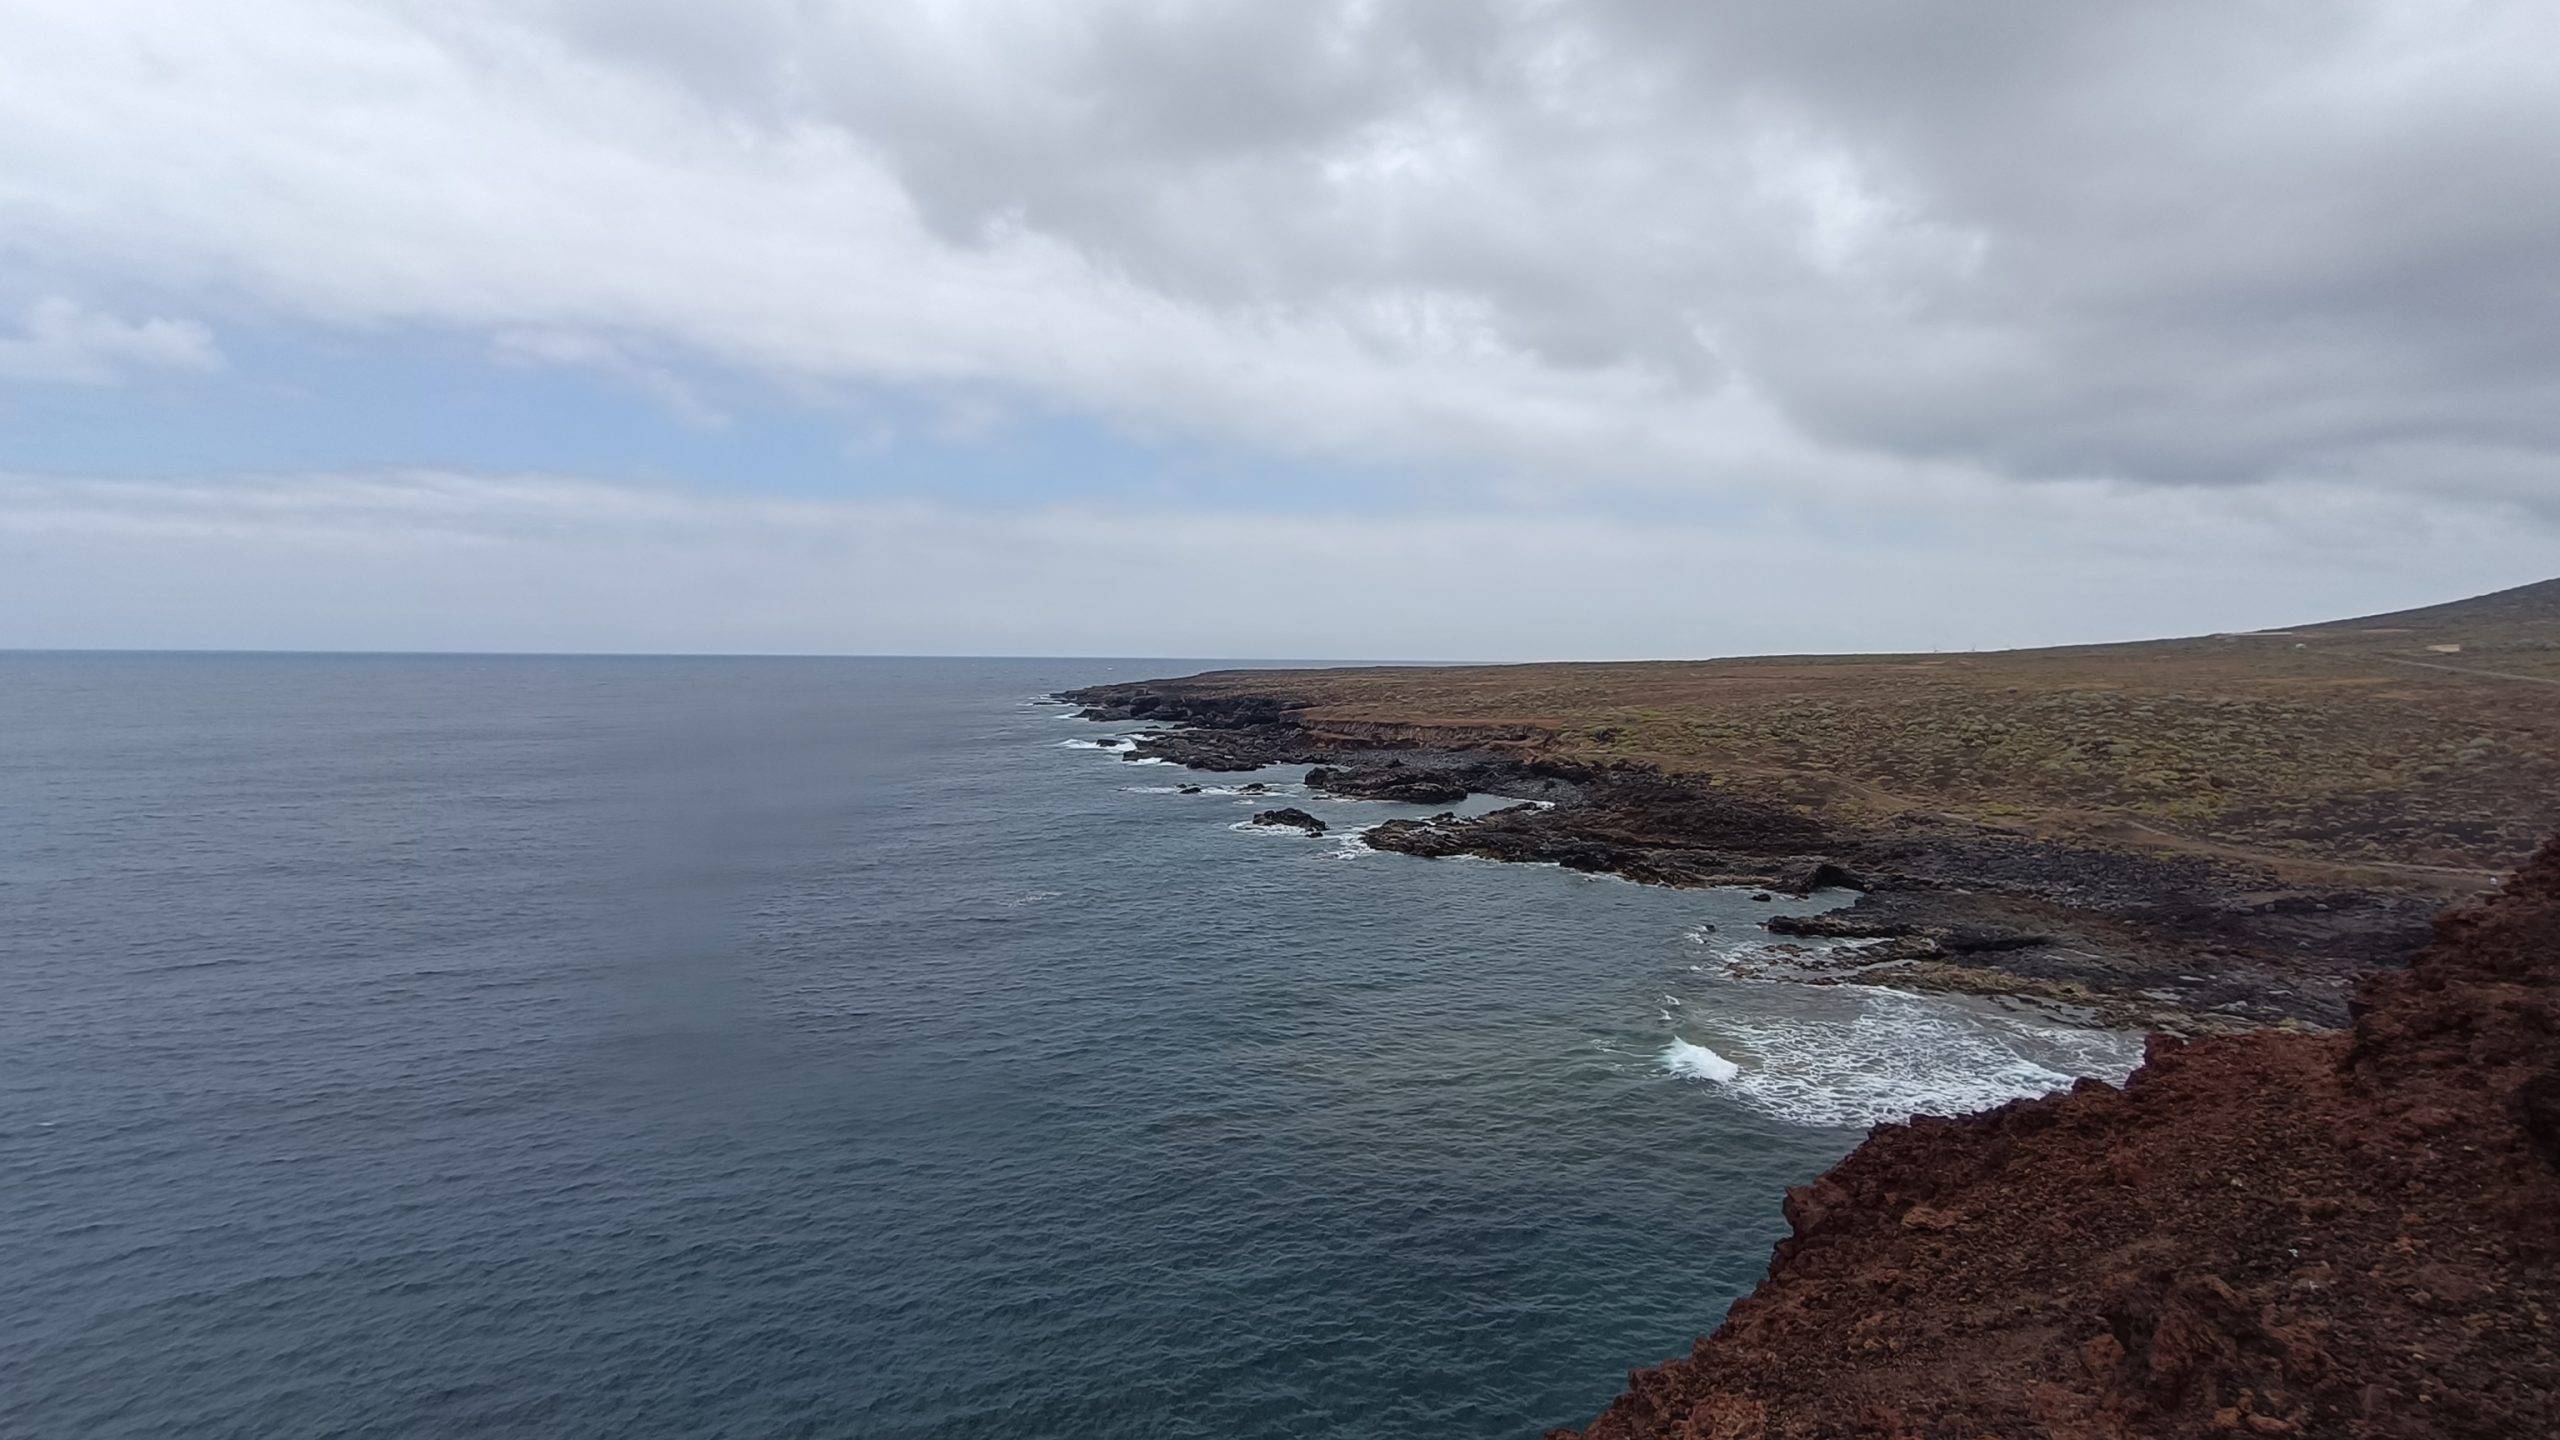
x=2351 y=1235
x=2327 y=1204
x=2196 y=836
x=2186 y=943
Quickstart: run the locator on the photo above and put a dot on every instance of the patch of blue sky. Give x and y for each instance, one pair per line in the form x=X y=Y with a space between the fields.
x=300 y=400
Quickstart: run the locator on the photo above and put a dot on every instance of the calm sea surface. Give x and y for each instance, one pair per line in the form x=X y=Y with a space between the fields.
x=432 y=1046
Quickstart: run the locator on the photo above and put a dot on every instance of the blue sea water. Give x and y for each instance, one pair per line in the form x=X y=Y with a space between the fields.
x=427 y=1046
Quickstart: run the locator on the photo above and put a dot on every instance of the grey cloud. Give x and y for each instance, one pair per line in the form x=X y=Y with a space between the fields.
x=1853 y=245
x=2182 y=242
x=443 y=561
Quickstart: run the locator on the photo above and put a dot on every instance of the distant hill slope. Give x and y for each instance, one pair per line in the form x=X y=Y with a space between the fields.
x=2424 y=738
x=2536 y=604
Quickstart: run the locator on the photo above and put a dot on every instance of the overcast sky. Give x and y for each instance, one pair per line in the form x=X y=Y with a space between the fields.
x=1344 y=328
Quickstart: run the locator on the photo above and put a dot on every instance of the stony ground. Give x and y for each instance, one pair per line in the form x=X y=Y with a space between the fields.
x=2265 y=1233
x=2353 y=1236
x=2425 y=743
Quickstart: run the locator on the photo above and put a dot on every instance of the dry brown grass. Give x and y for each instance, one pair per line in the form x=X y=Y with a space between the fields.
x=2356 y=740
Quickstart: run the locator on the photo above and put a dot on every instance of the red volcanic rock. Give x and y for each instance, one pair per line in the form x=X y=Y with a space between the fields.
x=2354 y=1235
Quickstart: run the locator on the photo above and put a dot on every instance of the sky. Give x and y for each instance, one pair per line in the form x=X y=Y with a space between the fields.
x=1351 y=329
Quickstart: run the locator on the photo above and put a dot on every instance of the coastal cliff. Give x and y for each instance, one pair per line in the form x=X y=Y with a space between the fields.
x=2314 y=1230
x=2350 y=1235
x=2327 y=1204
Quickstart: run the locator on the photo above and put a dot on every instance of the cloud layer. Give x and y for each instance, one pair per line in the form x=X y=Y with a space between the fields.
x=446 y=562
x=1573 y=259
x=2196 y=242
x=65 y=344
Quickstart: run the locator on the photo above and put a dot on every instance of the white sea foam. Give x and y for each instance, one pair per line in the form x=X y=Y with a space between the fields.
x=1513 y=864
x=1697 y=1062
x=1346 y=841
x=1772 y=960
x=1872 y=1055
x=1351 y=842
x=1285 y=832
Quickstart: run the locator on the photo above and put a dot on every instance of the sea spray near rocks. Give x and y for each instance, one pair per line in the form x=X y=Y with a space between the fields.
x=1683 y=1057
x=2267 y=1234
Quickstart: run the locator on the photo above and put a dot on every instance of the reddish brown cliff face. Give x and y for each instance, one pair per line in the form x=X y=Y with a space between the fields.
x=2356 y=1235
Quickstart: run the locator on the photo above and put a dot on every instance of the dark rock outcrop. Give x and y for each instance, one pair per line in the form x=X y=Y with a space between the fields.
x=2192 y=943
x=1386 y=782
x=1615 y=836
x=1292 y=817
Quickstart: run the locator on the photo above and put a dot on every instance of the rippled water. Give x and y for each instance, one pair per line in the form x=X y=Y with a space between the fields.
x=601 y=1047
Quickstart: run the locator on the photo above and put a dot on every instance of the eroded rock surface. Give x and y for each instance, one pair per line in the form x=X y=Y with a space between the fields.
x=1291 y=817
x=2194 y=944
x=2352 y=1235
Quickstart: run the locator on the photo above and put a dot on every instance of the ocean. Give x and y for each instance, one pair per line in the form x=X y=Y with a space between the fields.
x=431 y=1046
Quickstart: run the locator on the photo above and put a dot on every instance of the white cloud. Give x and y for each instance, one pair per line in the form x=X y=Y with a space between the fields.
x=1703 y=327
x=62 y=343
x=443 y=561
x=1563 y=245
x=594 y=352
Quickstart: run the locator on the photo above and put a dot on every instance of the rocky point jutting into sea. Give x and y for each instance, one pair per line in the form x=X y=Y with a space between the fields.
x=2325 y=1205
x=2112 y=934
x=2194 y=836
x=2269 y=1234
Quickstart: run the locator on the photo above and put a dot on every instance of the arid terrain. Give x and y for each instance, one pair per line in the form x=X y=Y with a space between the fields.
x=2328 y=1204
x=2198 y=834
x=2426 y=738
x=2351 y=1235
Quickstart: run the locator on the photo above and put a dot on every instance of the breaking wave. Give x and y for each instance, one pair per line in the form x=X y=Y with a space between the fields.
x=1886 y=1056
x=1682 y=1057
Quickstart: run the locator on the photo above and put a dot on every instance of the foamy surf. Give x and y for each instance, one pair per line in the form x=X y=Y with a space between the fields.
x=1697 y=1062
x=1870 y=1056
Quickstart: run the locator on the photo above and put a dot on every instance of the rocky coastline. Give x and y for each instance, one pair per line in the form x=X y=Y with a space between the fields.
x=2327 y=1204
x=2183 y=944
x=2352 y=1235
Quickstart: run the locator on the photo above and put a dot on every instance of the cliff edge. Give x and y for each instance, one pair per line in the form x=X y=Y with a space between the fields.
x=2354 y=1234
